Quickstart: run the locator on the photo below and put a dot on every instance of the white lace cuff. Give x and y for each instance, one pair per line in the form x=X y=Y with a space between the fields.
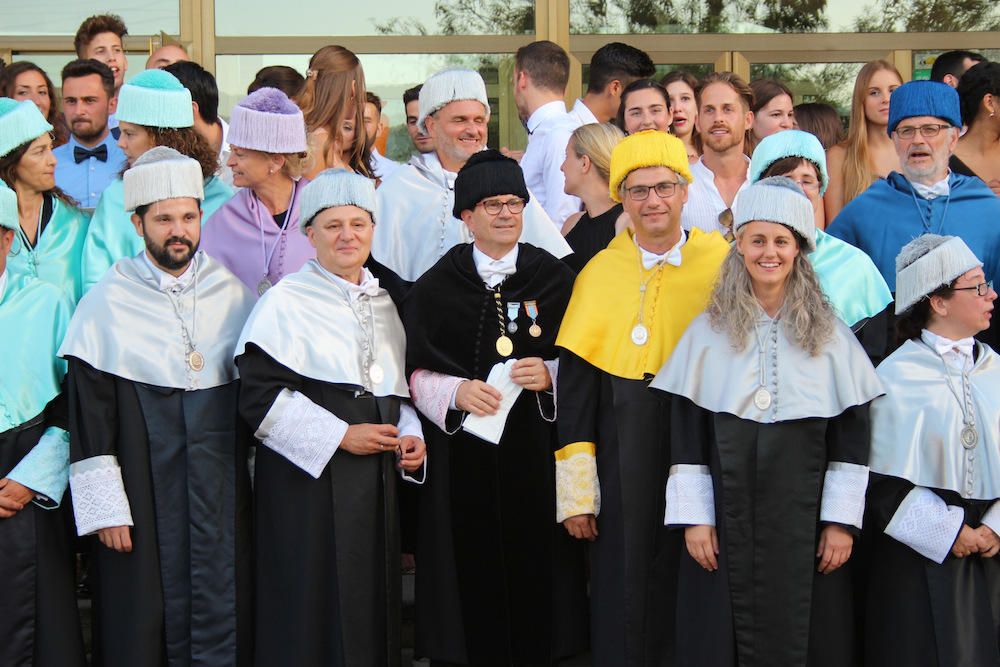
x=992 y=517
x=433 y=394
x=578 y=490
x=99 y=499
x=844 y=489
x=690 y=497
x=45 y=468
x=301 y=431
x=926 y=524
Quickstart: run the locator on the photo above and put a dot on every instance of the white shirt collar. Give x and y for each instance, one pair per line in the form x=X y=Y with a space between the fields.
x=956 y=353
x=554 y=109
x=493 y=271
x=168 y=282
x=940 y=189
x=583 y=112
x=672 y=256
x=3 y=283
x=368 y=286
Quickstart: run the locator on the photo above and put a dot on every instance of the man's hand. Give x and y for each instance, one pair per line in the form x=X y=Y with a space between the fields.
x=118 y=538
x=14 y=497
x=967 y=542
x=582 y=526
x=478 y=398
x=835 y=546
x=703 y=545
x=989 y=541
x=365 y=439
x=531 y=373
x=412 y=451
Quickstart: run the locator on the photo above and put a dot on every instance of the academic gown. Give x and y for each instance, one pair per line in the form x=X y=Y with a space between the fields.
x=769 y=480
x=57 y=254
x=327 y=529
x=39 y=624
x=613 y=450
x=499 y=582
x=926 y=607
x=112 y=235
x=890 y=214
x=160 y=447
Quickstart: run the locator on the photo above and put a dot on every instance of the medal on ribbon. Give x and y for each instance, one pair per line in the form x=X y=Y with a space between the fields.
x=512 y=310
x=531 y=307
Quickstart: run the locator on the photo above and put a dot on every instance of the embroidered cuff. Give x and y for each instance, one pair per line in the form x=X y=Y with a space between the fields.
x=992 y=517
x=578 y=490
x=844 y=489
x=301 y=431
x=690 y=497
x=45 y=469
x=99 y=499
x=926 y=524
x=433 y=394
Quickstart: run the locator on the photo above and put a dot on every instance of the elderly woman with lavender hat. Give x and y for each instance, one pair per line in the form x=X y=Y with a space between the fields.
x=254 y=234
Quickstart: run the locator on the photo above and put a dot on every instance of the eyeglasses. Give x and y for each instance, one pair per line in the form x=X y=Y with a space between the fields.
x=931 y=130
x=663 y=190
x=982 y=289
x=494 y=206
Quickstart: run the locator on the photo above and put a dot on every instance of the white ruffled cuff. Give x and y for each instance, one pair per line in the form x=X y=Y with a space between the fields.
x=301 y=431
x=45 y=468
x=99 y=499
x=690 y=496
x=926 y=524
x=844 y=488
x=433 y=394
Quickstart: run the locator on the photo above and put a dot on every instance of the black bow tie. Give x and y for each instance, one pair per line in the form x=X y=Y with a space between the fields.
x=80 y=154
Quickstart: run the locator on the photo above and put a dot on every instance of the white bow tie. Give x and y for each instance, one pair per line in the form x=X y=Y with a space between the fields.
x=963 y=347
x=496 y=270
x=367 y=288
x=672 y=257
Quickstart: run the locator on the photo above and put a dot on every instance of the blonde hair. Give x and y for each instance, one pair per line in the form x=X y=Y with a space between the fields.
x=334 y=82
x=807 y=315
x=858 y=172
x=596 y=141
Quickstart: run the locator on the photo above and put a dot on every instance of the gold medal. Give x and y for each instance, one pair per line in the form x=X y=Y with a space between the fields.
x=196 y=360
x=505 y=346
x=535 y=331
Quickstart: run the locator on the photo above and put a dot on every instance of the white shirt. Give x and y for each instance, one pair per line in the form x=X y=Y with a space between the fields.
x=933 y=191
x=3 y=283
x=956 y=353
x=582 y=114
x=493 y=271
x=225 y=173
x=382 y=165
x=704 y=202
x=169 y=283
x=672 y=256
x=549 y=129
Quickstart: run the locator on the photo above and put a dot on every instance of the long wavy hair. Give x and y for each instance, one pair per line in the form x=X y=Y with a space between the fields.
x=806 y=314
x=335 y=81
x=858 y=172
x=186 y=141
x=8 y=84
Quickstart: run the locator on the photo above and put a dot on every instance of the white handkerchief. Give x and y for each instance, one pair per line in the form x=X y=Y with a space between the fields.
x=490 y=428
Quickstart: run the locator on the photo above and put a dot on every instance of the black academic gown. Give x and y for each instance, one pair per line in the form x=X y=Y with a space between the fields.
x=327 y=549
x=499 y=582
x=182 y=596
x=39 y=624
x=766 y=605
x=633 y=562
x=921 y=613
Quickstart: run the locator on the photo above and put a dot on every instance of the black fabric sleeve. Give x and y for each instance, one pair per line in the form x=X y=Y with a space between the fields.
x=885 y=493
x=261 y=380
x=875 y=335
x=57 y=410
x=848 y=436
x=578 y=400
x=690 y=432
x=92 y=398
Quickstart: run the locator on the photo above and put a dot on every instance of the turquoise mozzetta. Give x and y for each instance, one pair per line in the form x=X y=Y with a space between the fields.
x=112 y=235
x=57 y=252
x=849 y=278
x=34 y=315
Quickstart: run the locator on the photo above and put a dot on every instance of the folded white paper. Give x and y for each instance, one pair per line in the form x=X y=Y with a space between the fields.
x=490 y=428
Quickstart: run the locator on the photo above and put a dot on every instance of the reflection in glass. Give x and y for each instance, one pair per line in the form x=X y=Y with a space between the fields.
x=388 y=76
x=388 y=17
x=828 y=83
x=778 y=16
x=63 y=17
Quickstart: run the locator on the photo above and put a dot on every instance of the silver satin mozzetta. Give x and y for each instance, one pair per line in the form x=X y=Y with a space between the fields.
x=308 y=323
x=416 y=226
x=705 y=369
x=917 y=425
x=126 y=326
